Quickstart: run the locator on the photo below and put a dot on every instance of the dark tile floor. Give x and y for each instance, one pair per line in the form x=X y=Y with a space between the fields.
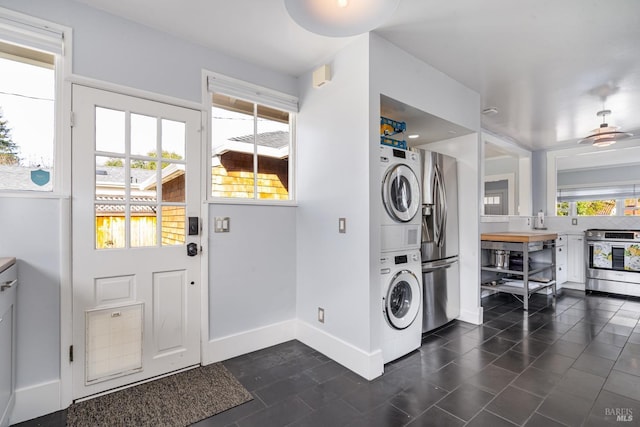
x=572 y=365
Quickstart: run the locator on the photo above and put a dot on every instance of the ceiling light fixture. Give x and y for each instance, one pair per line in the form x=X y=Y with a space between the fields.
x=605 y=135
x=414 y=136
x=340 y=18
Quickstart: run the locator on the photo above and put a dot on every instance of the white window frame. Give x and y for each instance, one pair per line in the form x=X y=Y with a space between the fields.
x=38 y=34
x=220 y=83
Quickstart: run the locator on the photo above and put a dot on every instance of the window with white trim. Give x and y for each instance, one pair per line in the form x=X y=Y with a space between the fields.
x=252 y=140
x=30 y=56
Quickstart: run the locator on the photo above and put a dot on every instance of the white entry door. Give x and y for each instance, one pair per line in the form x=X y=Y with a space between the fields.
x=136 y=289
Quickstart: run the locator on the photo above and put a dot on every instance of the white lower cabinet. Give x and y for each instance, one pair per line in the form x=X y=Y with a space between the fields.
x=575 y=261
x=561 y=260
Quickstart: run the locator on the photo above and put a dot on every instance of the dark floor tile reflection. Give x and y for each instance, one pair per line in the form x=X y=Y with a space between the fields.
x=573 y=364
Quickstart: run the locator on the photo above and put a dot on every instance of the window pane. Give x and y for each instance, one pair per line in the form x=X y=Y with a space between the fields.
x=143 y=225
x=110 y=130
x=110 y=226
x=173 y=183
x=272 y=141
x=596 y=208
x=27 y=116
x=144 y=130
x=173 y=225
x=110 y=179
x=143 y=178
x=173 y=139
x=232 y=129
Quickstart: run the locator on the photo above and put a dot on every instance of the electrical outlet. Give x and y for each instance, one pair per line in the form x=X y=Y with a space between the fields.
x=574 y=221
x=320 y=315
x=528 y=222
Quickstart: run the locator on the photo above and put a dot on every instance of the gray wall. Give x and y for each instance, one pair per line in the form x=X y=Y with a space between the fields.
x=599 y=176
x=30 y=231
x=251 y=268
x=539 y=182
x=119 y=51
x=113 y=49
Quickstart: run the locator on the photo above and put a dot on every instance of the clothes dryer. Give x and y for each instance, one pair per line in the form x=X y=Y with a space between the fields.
x=401 y=297
x=401 y=207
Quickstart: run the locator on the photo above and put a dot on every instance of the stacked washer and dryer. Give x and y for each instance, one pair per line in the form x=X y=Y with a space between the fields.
x=401 y=269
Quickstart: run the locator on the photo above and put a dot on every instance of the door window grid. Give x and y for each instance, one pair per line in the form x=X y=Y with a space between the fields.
x=135 y=193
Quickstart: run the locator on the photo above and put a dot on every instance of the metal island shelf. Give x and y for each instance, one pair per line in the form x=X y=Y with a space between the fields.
x=537 y=271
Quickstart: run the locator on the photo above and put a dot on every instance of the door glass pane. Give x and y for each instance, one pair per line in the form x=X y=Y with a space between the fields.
x=173 y=183
x=110 y=226
x=143 y=178
x=173 y=139
x=272 y=141
x=144 y=130
x=110 y=130
x=232 y=133
x=143 y=225
x=110 y=179
x=173 y=225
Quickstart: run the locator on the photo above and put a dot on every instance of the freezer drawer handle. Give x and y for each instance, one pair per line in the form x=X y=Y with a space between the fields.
x=8 y=285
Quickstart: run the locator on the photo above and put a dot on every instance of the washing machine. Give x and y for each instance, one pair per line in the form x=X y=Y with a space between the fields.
x=401 y=299
x=401 y=206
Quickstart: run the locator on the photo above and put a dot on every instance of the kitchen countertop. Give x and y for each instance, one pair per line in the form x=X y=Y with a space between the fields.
x=519 y=236
x=6 y=262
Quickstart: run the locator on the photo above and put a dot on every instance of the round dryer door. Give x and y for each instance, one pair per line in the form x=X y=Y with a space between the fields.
x=402 y=301
x=401 y=193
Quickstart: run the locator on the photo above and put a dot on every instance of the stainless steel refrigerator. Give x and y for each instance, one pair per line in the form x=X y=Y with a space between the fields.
x=440 y=266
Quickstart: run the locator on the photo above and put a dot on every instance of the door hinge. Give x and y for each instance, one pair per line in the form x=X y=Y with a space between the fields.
x=70 y=353
x=72 y=119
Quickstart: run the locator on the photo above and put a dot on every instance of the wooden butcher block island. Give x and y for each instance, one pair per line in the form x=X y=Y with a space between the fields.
x=531 y=265
x=519 y=236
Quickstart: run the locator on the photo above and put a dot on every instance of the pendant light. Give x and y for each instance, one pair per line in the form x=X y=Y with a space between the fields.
x=605 y=135
x=340 y=18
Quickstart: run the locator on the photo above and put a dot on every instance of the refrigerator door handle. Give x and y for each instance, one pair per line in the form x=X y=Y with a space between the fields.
x=441 y=198
x=430 y=266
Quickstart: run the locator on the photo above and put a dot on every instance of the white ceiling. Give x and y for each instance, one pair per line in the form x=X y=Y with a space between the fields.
x=541 y=63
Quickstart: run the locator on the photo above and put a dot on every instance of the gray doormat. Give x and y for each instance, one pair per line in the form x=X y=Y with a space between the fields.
x=176 y=400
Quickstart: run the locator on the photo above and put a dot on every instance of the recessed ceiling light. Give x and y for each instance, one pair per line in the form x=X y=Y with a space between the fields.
x=490 y=111
x=414 y=136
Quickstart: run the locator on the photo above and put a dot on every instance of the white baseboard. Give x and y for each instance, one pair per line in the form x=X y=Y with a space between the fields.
x=224 y=348
x=36 y=401
x=367 y=365
x=471 y=316
x=574 y=285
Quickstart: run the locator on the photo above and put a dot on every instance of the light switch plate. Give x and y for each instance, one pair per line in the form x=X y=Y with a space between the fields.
x=574 y=221
x=221 y=224
x=342 y=225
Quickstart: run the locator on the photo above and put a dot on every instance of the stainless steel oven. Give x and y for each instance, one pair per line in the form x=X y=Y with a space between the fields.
x=613 y=261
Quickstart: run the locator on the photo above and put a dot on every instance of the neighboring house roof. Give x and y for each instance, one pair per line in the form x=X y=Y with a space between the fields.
x=270 y=144
x=115 y=174
x=16 y=177
x=277 y=139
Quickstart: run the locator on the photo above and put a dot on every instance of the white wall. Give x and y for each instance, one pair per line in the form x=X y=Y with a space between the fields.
x=333 y=182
